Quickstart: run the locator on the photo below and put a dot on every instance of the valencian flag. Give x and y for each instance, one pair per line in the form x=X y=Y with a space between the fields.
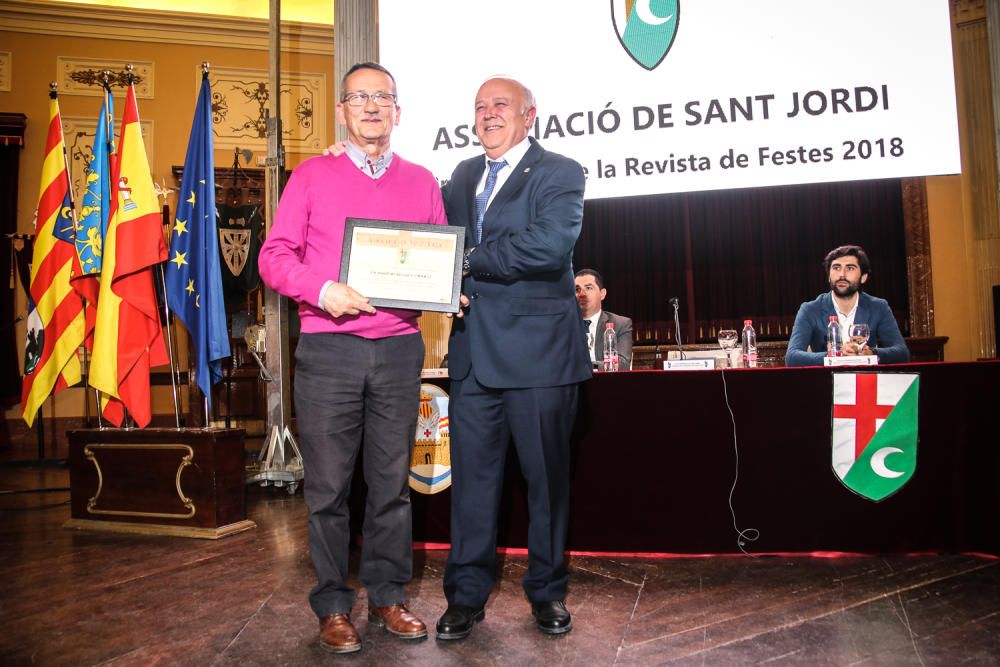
x=875 y=431
x=193 y=278
x=128 y=339
x=93 y=221
x=56 y=319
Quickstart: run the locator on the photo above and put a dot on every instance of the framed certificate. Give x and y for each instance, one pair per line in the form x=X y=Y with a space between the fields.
x=404 y=264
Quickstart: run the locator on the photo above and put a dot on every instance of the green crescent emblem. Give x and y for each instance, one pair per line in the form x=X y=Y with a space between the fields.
x=875 y=431
x=646 y=28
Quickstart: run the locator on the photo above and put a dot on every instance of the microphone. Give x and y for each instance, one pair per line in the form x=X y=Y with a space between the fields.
x=675 y=302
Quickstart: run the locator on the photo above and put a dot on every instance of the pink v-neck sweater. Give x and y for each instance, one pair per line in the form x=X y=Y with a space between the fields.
x=303 y=248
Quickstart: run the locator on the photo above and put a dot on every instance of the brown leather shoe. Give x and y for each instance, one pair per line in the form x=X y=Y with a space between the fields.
x=398 y=620
x=337 y=634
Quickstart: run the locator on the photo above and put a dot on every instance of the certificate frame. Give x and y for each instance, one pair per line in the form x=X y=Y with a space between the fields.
x=374 y=250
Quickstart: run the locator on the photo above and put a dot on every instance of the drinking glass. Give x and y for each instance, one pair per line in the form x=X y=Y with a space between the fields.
x=859 y=335
x=727 y=338
x=727 y=341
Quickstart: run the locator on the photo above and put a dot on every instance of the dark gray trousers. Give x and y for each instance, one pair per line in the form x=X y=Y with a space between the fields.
x=483 y=423
x=352 y=391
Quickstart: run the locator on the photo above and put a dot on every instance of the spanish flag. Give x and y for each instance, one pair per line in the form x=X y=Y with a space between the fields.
x=56 y=327
x=128 y=339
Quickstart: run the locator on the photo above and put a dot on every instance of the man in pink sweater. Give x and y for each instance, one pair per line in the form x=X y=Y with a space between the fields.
x=357 y=369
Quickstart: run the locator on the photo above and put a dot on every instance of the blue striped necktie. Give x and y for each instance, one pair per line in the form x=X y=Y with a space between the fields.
x=484 y=197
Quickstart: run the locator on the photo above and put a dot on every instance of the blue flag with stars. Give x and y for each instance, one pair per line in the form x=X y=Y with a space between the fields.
x=193 y=275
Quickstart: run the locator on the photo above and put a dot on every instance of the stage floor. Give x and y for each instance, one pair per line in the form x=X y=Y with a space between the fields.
x=77 y=598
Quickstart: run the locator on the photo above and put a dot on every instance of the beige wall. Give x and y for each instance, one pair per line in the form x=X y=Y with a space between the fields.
x=963 y=209
x=34 y=66
x=951 y=266
x=172 y=110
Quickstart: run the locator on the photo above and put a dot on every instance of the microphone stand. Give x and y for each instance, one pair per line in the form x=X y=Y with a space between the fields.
x=675 y=302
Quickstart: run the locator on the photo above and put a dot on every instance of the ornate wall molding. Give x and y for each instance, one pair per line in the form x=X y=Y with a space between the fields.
x=920 y=287
x=5 y=71
x=356 y=42
x=980 y=173
x=963 y=11
x=82 y=76
x=239 y=100
x=145 y=25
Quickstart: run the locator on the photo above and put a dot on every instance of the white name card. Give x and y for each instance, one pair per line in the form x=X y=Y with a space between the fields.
x=688 y=364
x=852 y=360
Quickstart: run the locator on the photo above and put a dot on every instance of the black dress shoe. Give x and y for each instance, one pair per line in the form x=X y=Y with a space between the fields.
x=458 y=621
x=552 y=618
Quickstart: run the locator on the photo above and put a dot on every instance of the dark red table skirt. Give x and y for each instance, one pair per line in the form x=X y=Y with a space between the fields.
x=654 y=461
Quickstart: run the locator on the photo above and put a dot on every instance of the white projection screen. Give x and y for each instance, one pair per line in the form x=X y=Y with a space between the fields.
x=656 y=96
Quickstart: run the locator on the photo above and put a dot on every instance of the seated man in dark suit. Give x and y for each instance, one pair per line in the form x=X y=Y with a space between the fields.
x=590 y=292
x=847 y=268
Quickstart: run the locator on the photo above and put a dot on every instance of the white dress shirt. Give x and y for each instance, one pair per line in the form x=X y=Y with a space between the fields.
x=846 y=320
x=513 y=156
x=592 y=334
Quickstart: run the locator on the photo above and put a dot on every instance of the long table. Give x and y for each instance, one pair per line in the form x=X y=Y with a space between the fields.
x=655 y=459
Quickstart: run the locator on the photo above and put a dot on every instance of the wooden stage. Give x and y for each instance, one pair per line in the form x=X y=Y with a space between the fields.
x=85 y=598
x=654 y=478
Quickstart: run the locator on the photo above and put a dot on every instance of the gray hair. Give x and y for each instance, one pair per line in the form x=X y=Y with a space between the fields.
x=529 y=97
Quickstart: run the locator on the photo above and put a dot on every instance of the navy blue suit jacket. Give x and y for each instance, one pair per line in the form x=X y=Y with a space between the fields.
x=523 y=326
x=809 y=331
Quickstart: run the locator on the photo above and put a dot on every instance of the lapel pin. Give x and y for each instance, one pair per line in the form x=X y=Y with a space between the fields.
x=527 y=169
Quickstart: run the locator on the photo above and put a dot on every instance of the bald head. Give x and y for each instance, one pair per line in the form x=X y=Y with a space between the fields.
x=505 y=111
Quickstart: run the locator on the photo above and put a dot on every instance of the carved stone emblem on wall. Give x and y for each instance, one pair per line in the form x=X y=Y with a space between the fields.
x=83 y=76
x=240 y=98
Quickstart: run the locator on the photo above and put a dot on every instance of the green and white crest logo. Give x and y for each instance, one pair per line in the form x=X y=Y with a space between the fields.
x=646 y=28
x=875 y=431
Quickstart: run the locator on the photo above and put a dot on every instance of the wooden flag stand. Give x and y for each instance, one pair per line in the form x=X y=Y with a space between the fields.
x=158 y=481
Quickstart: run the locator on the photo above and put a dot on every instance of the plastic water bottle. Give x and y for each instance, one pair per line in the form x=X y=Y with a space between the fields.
x=749 y=339
x=610 y=348
x=834 y=343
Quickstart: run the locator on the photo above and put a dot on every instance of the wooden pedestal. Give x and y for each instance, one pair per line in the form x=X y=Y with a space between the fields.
x=161 y=481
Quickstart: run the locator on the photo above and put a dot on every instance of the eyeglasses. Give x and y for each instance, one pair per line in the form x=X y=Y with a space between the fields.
x=361 y=99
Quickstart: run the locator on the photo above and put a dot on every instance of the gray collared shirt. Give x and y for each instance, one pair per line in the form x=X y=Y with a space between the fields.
x=374 y=168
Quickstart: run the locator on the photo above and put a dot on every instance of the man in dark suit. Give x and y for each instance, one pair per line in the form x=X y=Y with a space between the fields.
x=847 y=269
x=516 y=356
x=590 y=294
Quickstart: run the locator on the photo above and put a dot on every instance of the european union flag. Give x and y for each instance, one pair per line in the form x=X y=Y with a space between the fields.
x=193 y=277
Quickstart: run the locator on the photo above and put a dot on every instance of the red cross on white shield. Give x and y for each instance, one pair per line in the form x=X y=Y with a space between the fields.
x=866 y=411
x=864 y=404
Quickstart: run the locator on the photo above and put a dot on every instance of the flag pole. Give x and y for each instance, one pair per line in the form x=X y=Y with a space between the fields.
x=170 y=350
x=204 y=75
x=170 y=347
x=109 y=138
x=76 y=228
